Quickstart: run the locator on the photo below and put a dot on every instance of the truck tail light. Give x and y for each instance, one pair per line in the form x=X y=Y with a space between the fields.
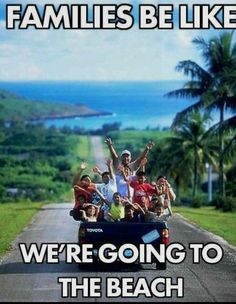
x=82 y=233
x=165 y=236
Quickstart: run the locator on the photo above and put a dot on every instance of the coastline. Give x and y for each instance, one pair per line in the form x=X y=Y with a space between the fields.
x=61 y=117
x=51 y=117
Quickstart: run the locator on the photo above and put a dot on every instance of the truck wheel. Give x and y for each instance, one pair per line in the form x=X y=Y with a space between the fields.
x=83 y=266
x=161 y=266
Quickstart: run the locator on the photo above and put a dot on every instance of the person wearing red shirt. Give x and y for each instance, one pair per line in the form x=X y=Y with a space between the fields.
x=142 y=190
x=83 y=186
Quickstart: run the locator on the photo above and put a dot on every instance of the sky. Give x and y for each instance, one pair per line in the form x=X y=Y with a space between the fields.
x=101 y=55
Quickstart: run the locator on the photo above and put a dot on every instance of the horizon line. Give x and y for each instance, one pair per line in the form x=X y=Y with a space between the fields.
x=92 y=80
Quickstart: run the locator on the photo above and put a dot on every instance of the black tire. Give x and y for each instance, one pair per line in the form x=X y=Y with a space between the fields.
x=90 y=266
x=161 y=266
x=83 y=266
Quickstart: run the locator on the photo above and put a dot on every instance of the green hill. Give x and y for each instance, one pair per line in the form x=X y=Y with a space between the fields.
x=13 y=107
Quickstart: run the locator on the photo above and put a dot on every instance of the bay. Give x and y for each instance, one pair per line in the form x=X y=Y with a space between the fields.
x=137 y=105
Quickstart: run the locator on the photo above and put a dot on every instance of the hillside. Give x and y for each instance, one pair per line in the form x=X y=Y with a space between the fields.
x=13 y=107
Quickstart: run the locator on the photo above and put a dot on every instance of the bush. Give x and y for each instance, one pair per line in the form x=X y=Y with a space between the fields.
x=197 y=202
x=176 y=203
x=186 y=201
x=229 y=204
x=218 y=202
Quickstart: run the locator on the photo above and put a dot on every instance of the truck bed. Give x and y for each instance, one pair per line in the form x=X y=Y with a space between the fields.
x=120 y=233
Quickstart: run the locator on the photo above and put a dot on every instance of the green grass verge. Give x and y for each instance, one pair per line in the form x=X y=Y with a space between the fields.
x=215 y=221
x=134 y=140
x=84 y=148
x=137 y=137
x=82 y=151
x=13 y=218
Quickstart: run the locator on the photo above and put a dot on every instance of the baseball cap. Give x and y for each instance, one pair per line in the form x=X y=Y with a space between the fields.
x=126 y=152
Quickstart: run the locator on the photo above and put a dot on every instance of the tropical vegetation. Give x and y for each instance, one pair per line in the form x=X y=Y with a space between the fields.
x=37 y=163
x=196 y=139
x=214 y=86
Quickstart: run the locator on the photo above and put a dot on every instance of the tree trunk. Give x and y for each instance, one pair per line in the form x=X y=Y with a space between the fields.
x=221 y=148
x=177 y=184
x=195 y=174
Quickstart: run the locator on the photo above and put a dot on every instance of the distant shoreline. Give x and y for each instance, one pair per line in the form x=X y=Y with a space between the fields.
x=61 y=117
x=50 y=117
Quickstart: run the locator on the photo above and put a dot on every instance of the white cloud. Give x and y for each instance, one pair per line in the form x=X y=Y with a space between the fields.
x=95 y=54
x=189 y=2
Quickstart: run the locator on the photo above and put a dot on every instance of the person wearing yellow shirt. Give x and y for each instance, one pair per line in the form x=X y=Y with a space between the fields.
x=117 y=207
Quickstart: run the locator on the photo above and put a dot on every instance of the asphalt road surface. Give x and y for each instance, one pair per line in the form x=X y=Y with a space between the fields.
x=39 y=282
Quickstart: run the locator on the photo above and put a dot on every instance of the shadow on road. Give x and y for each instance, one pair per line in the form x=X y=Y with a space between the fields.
x=63 y=267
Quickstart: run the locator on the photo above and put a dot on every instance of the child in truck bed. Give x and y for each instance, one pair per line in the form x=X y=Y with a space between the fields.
x=90 y=213
x=133 y=213
x=142 y=190
x=159 y=214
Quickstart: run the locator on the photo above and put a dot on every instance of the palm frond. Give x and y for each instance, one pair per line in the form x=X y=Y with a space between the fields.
x=185 y=93
x=192 y=69
x=182 y=115
x=230 y=148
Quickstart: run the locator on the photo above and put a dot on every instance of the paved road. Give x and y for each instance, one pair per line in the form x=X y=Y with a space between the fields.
x=38 y=282
x=98 y=152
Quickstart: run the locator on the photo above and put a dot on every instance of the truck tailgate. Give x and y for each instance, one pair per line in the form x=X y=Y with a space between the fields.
x=121 y=233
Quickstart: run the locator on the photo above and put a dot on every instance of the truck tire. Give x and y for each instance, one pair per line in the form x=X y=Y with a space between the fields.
x=161 y=266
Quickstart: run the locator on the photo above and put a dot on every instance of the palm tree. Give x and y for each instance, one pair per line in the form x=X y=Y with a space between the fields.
x=192 y=134
x=185 y=154
x=215 y=86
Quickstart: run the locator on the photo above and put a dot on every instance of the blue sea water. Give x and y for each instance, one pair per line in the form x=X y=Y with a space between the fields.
x=133 y=104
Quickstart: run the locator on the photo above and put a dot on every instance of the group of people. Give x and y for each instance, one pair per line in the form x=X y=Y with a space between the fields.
x=124 y=193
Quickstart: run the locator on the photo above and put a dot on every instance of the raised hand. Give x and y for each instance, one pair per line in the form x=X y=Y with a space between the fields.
x=96 y=170
x=108 y=141
x=108 y=162
x=143 y=161
x=121 y=168
x=150 y=145
x=83 y=166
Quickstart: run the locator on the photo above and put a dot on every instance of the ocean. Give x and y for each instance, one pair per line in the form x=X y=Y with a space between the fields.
x=137 y=105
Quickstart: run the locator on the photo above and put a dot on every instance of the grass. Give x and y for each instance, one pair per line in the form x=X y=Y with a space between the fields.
x=82 y=151
x=84 y=148
x=137 y=136
x=13 y=218
x=215 y=221
x=134 y=140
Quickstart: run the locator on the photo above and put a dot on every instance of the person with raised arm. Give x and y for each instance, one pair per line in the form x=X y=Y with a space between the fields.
x=158 y=214
x=142 y=189
x=164 y=191
x=126 y=156
x=83 y=184
x=90 y=213
x=124 y=178
x=107 y=188
x=133 y=213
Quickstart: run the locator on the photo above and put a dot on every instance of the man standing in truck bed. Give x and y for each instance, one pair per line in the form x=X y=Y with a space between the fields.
x=126 y=157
